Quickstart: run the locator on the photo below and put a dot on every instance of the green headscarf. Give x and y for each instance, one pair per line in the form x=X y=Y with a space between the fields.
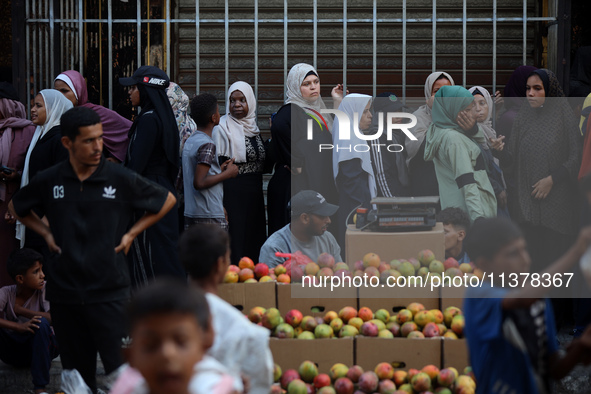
x=449 y=102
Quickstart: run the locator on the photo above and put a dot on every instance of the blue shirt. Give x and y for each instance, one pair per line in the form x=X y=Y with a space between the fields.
x=499 y=349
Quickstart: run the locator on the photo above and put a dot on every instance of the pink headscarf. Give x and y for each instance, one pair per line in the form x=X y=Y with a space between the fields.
x=115 y=126
x=13 y=116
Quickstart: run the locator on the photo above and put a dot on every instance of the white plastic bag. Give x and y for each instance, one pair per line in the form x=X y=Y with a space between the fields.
x=72 y=382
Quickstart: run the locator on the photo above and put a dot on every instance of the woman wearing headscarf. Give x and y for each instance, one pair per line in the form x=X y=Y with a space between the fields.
x=45 y=150
x=154 y=153
x=238 y=137
x=300 y=165
x=389 y=164
x=543 y=153
x=423 y=181
x=483 y=105
x=179 y=102
x=459 y=164
x=16 y=132
x=115 y=127
x=514 y=94
x=353 y=171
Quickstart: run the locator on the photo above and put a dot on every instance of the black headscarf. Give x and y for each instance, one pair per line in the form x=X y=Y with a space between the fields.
x=7 y=91
x=153 y=98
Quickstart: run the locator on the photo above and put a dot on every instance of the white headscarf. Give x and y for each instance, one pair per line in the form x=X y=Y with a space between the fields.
x=423 y=115
x=55 y=106
x=486 y=126
x=351 y=104
x=296 y=76
x=229 y=134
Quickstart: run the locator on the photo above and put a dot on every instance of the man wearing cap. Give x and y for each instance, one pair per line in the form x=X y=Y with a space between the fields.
x=307 y=232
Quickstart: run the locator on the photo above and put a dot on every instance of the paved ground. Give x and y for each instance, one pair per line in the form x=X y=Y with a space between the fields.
x=18 y=381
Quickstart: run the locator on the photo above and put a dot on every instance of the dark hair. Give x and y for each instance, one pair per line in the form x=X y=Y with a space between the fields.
x=77 y=117
x=21 y=260
x=200 y=247
x=167 y=296
x=488 y=236
x=455 y=216
x=203 y=107
x=442 y=76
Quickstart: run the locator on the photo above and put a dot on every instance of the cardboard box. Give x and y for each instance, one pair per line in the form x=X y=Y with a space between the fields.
x=290 y=353
x=294 y=296
x=396 y=298
x=402 y=353
x=393 y=245
x=452 y=296
x=455 y=354
x=245 y=296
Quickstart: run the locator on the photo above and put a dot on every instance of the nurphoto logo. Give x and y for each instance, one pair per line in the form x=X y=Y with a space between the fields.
x=345 y=130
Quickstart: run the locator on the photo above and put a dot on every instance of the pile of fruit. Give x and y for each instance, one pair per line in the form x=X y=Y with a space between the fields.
x=384 y=379
x=413 y=322
x=299 y=265
x=424 y=266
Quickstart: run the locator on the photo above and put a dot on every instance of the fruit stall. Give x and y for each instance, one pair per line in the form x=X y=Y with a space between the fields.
x=378 y=339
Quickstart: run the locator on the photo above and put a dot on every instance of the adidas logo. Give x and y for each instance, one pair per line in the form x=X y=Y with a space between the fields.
x=109 y=192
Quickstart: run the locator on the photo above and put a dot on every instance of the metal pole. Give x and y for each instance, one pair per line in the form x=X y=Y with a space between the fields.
x=433 y=55
x=168 y=70
x=284 y=47
x=28 y=56
x=256 y=52
x=80 y=38
x=524 y=60
x=494 y=81
x=196 y=46
x=110 y=51
x=47 y=40
x=404 y=50
x=464 y=27
x=139 y=33
x=61 y=27
x=226 y=49
x=375 y=47
x=344 y=46
x=315 y=24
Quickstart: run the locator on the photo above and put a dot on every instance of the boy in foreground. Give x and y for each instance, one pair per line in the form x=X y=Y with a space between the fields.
x=242 y=347
x=26 y=336
x=170 y=327
x=510 y=331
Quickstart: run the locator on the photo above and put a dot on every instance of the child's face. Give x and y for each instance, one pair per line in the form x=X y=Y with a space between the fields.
x=34 y=278
x=453 y=239
x=165 y=349
x=511 y=258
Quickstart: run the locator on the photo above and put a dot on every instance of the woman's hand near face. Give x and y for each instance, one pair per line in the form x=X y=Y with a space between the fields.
x=465 y=120
x=338 y=94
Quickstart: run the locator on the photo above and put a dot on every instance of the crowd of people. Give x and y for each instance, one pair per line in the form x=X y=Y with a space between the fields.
x=104 y=206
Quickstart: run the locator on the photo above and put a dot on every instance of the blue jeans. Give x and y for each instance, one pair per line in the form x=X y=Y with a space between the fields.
x=28 y=349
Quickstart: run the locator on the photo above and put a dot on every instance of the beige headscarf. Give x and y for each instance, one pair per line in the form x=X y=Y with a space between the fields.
x=229 y=134
x=423 y=115
x=486 y=126
x=296 y=76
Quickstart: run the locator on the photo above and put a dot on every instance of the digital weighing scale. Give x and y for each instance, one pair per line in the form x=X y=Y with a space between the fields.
x=399 y=214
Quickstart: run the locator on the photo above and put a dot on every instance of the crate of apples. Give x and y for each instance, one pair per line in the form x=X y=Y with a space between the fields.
x=384 y=379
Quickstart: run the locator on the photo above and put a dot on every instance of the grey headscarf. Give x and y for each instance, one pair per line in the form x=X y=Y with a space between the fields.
x=296 y=76
x=423 y=115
